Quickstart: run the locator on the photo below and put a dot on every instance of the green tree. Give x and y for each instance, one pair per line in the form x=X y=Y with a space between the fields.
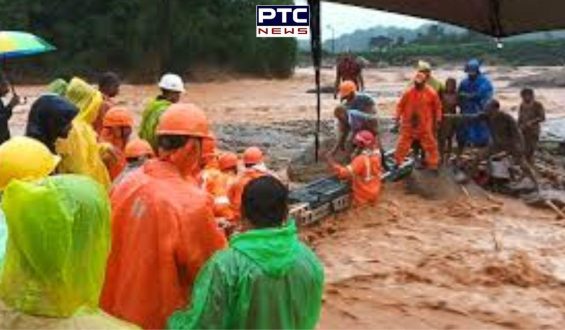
x=143 y=38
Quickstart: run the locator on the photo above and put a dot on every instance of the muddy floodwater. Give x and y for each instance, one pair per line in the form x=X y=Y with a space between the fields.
x=464 y=262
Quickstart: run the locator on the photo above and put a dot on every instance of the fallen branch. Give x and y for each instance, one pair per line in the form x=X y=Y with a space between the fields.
x=555 y=208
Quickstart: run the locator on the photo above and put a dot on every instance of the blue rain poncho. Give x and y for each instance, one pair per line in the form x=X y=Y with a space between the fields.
x=474 y=95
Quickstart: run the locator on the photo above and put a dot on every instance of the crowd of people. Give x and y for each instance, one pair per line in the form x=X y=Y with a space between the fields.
x=429 y=116
x=102 y=230
x=99 y=229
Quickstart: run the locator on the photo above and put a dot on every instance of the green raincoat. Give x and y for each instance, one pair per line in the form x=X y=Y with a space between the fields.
x=436 y=85
x=150 y=119
x=58 y=244
x=267 y=279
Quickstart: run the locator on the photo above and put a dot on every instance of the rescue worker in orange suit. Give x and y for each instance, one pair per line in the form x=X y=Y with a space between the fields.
x=225 y=180
x=117 y=126
x=364 y=171
x=216 y=183
x=227 y=163
x=163 y=227
x=418 y=114
x=137 y=152
x=253 y=160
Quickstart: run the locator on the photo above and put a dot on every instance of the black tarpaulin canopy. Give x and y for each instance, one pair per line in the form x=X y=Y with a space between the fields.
x=497 y=18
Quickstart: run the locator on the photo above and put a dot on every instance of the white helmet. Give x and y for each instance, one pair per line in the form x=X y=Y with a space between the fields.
x=172 y=82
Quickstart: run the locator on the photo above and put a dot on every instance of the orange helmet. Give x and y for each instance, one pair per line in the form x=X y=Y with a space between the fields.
x=364 y=139
x=227 y=160
x=252 y=156
x=183 y=119
x=138 y=148
x=118 y=117
x=347 y=87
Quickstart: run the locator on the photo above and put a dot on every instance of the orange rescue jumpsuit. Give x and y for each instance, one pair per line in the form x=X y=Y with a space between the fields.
x=163 y=231
x=236 y=191
x=218 y=184
x=417 y=111
x=365 y=175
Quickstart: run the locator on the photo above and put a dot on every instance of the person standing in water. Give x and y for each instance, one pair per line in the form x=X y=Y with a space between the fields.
x=531 y=115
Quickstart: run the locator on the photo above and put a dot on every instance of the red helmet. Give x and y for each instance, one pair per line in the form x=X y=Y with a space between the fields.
x=364 y=139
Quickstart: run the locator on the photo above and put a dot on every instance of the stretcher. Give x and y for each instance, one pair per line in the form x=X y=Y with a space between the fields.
x=321 y=198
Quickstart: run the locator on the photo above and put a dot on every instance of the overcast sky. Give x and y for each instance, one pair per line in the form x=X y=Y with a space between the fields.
x=345 y=19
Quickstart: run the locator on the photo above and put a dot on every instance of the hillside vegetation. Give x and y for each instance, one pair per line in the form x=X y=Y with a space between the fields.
x=143 y=38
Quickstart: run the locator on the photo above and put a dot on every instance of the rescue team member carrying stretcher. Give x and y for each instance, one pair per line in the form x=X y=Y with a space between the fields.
x=506 y=137
x=364 y=172
x=254 y=163
x=418 y=114
x=355 y=114
x=217 y=183
x=163 y=227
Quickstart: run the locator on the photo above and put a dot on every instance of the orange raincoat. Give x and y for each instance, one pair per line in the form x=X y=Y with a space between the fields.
x=365 y=175
x=236 y=191
x=163 y=230
x=419 y=112
x=218 y=184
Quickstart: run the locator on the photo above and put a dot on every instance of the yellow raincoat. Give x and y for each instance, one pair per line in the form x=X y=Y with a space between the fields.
x=80 y=152
x=58 y=245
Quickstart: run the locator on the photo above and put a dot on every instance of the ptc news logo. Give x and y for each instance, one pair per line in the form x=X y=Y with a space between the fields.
x=282 y=21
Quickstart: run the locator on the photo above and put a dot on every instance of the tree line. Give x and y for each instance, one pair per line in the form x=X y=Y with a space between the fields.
x=141 y=39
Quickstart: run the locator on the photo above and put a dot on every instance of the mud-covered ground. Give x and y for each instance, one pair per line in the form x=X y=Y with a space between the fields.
x=468 y=262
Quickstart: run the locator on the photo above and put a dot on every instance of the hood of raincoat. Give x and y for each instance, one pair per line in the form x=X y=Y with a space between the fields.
x=3 y=236
x=48 y=116
x=150 y=119
x=473 y=66
x=275 y=249
x=58 y=86
x=86 y=98
x=58 y=245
